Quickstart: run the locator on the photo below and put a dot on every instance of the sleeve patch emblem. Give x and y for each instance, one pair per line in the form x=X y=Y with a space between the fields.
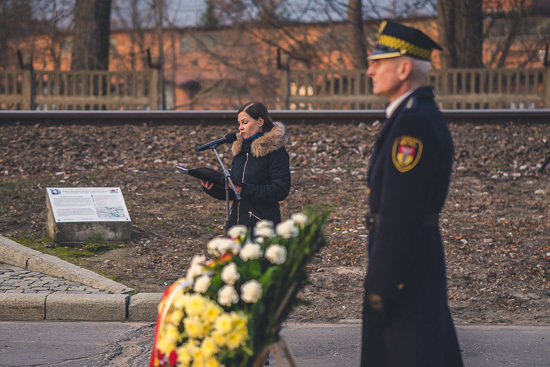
x=406 y=153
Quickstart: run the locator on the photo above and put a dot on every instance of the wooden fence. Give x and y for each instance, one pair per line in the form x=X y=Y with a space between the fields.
x=454 y=89
x=26 y=89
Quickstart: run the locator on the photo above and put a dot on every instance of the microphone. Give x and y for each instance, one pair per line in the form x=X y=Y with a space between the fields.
x=229 y=138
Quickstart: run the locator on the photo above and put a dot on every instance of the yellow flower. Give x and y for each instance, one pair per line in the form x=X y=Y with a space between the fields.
x=175 y=316
x=198 y=356
x=180 y=300
x=238 y=320
x=164 y=345
x=212 y=362
x=194 y=327
x=195 y=306
x=220 y=338
x=236 y=339
x=209 y=347
x=224 y=323
x=184 y=356
x=171 y=333
x=206 y=328
x=192 y=345
x=211 y=312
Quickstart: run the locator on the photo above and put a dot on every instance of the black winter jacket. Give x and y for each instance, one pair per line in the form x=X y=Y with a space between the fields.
x=263 y=166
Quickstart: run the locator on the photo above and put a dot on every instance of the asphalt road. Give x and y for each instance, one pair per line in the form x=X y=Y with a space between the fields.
x=79 y=344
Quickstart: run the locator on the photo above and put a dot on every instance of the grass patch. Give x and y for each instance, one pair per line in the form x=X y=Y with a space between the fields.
x=498 y=166
x=89 y=248
x=14 y=186
x=71 y=254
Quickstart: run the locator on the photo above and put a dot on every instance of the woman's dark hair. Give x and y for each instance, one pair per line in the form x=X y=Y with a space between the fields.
x=257 y=110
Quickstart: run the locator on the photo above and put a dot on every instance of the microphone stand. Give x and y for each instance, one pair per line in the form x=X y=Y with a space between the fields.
x=228 y=185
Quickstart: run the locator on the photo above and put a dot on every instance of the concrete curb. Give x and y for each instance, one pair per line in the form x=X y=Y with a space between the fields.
x=22 y=307
x=118 y=306
x=144 y=307
x=87 y=307
x=15 y=254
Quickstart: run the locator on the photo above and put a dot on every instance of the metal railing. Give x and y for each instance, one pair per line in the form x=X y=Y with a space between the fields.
x=229 y=117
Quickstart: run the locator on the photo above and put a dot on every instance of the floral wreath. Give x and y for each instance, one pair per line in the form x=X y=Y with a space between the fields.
x=229 y=308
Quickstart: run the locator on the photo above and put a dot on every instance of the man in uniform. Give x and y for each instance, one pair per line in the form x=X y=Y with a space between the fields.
x=406 y=317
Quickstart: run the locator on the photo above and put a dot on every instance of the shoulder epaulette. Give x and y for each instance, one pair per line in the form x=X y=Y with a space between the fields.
x=411 y=103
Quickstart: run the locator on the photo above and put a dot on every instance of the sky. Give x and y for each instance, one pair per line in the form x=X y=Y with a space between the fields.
x=188 y=12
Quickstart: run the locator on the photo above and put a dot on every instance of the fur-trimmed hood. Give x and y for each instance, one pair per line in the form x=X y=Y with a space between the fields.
x=265 y=144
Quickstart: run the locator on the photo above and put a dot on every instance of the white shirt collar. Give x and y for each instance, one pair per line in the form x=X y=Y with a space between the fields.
x=396 y=102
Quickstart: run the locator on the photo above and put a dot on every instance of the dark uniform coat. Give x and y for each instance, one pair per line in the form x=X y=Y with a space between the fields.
x=408 y=180
x=262 y=164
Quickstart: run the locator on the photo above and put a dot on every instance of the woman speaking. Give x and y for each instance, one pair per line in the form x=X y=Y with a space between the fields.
x=261 y=163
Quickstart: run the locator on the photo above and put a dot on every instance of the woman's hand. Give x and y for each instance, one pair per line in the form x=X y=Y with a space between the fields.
x=206 y=184
x=238 y=189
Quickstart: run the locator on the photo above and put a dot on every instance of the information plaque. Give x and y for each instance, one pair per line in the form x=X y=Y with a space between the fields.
x=78 y=213
x=88 y=204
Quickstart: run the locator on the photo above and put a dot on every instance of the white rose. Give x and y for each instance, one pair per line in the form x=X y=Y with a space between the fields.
x=264 y=224
x=230 y=274
x=212 y=247
x=198 y=260
x=235 y=248
x=250 y=251
x=251 y=291
x=287 y=229
x=193 y=271
x=237 y=232
x=220 y=246
x=265 y=232
x=202 y=283
x=227 y=295
x=276 y=254
x=226 y=245
x=299 y=218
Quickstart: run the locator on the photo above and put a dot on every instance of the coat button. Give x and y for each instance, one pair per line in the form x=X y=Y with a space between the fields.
x=400 y=286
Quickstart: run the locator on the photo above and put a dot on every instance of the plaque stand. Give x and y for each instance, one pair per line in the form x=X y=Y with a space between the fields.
x=276 y=349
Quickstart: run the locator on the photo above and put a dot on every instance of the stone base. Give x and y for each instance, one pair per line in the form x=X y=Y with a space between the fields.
x=78 y=232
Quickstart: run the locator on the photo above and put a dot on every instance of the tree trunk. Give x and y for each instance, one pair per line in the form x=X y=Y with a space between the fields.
x=469 y=41
x=91 y=35
x=358 y=45
x=515 y=22
x=447 y=33
x=460 y=24
x=159 y=7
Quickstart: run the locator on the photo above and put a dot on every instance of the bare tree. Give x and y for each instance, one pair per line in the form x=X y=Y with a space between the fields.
x=135 y=18
x=55 y=18
x=274 y=23
x=516 y=28
x=92 y=19
x=358 y=46
x=460 y=24
x=12 y=30
x=43 y=34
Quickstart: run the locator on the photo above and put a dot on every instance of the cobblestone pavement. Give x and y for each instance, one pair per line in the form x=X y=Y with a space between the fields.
x=14 y=279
